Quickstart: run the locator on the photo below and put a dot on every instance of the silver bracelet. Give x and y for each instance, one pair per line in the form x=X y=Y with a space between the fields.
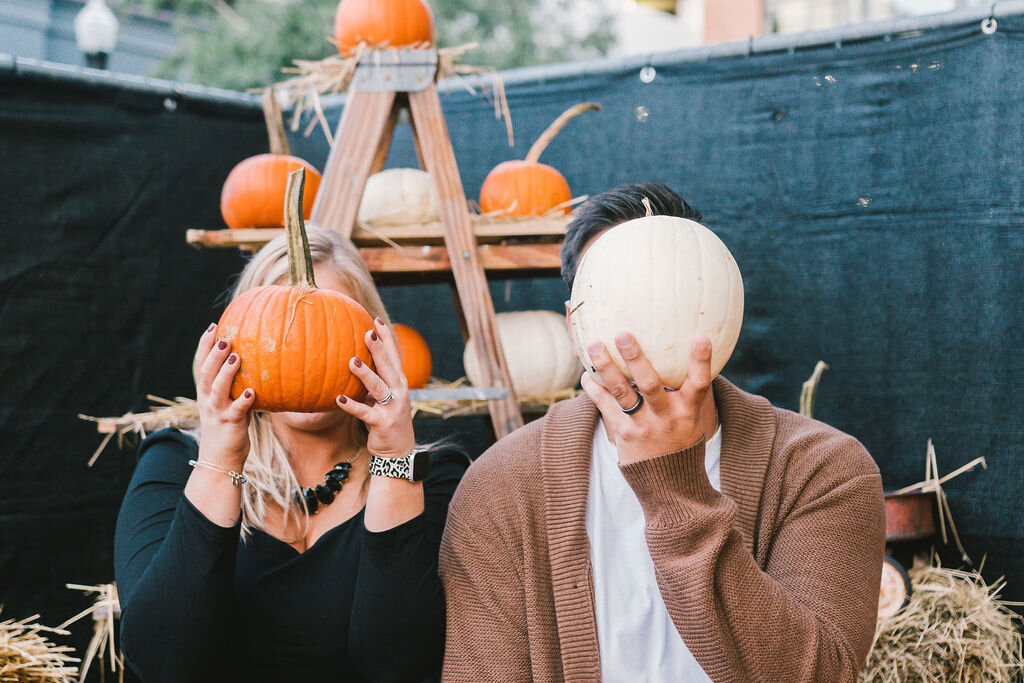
x=236 y=478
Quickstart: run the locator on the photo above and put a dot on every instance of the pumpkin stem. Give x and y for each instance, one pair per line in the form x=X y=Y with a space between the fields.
x=810 y=388
x=555 y=128
x=647 y=207
x=300 y=262
x=275 y=124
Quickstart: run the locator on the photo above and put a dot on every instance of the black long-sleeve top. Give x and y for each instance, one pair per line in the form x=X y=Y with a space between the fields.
x=200 y=604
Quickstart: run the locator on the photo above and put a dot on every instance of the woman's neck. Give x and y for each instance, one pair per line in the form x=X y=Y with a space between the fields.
x=313 y=453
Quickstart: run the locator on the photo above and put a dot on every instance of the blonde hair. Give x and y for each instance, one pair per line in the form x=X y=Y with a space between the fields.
x=268 y=469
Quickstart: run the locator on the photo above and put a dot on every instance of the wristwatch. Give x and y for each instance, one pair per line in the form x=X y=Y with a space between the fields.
x=413 y=466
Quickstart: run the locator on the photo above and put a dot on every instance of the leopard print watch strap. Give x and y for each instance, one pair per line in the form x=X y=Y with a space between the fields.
x=398 y=468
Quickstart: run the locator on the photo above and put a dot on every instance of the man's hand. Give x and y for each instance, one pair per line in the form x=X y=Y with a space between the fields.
x=666 y=420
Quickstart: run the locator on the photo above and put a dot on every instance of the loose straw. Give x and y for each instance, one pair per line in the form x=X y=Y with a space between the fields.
x=933 y=483
x=334 y=74
x=180 y=412
x=104 y=611
x=28 y=656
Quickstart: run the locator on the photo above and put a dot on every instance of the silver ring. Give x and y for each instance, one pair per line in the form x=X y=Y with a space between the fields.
x=387 y=399
x=636 y=406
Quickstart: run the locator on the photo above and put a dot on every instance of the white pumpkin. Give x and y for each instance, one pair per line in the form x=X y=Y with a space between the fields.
x=666 y=280
x=538 y=351
x=398 y=196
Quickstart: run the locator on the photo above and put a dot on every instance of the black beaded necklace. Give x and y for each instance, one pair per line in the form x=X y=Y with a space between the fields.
x=312 y=498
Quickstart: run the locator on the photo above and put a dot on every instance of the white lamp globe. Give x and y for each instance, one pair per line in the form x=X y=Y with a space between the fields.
x=96 y=28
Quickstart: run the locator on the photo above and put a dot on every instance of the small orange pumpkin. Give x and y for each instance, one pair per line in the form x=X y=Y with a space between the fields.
x=417 y=363
x=382 y=23
x=530 y=188
x=253 y=194
x=294 y=341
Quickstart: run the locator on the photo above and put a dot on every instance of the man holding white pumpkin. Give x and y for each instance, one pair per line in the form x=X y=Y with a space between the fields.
x=667 y=526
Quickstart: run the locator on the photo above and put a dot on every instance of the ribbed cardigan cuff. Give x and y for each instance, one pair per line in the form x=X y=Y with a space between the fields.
x=674 y=487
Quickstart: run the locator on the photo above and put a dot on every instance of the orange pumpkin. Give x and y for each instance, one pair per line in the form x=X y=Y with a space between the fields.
x=294 y=341
x=417 y=363
x=382 y=23
x=253 y=194
x=528 y=187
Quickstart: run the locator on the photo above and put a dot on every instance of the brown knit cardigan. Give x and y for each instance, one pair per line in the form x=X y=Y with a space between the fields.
x=773 y=579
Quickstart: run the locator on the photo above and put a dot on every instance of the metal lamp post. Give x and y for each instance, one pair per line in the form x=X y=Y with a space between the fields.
x=96 y=32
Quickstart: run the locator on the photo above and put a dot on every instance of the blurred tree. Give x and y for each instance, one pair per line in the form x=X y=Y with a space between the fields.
x=240 y=44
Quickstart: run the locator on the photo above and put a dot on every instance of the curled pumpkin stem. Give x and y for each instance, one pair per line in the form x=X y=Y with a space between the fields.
x=556 y=127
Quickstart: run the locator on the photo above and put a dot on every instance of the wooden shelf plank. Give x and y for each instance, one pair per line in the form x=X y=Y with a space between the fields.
x=493 y=258
x=486 y=230
x=525 y=259
x=458 y=394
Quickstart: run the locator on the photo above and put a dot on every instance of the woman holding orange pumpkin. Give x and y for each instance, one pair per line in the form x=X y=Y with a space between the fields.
x=281 y=545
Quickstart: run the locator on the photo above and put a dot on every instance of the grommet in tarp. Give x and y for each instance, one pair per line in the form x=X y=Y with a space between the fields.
x=989 y=25
x=647 y=73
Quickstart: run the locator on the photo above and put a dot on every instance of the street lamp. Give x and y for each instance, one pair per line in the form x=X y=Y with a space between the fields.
x=96 y=32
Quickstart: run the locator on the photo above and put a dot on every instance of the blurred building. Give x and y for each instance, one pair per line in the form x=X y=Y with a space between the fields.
x=647 y=26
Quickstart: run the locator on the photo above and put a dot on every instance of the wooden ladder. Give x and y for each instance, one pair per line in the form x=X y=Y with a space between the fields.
x=382 y=86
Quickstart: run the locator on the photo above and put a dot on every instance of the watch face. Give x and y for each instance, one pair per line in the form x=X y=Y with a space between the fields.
x=420 y=465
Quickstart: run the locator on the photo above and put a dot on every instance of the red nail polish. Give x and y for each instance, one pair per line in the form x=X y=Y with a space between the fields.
x=373 y=336
x=378 y=321
x=222 y=345
x=247 y=393
x=212 y=327
x=342 y=399
x=232 y=358
x=358 y=362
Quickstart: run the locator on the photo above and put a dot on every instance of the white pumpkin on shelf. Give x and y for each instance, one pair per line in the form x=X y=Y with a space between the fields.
x=398 y=196
x=666 y=280
x=538 y=351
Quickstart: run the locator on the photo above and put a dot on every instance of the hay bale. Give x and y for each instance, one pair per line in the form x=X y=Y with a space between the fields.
x=27 y=656
x=954 y=629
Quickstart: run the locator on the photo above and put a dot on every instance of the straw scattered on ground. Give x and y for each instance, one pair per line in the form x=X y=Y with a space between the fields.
x=953 y=630
x=103 y=645
x=28 y=656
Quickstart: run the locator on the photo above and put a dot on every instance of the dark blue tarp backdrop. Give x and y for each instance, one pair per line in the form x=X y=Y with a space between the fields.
x=871 y=192
x=873 y=195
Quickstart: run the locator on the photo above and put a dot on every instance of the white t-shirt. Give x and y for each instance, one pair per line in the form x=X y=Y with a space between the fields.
x=637 y=638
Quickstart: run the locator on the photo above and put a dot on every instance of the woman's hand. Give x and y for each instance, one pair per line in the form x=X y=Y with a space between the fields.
x=665 y=421
x=224 y=422
x=389 y=421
